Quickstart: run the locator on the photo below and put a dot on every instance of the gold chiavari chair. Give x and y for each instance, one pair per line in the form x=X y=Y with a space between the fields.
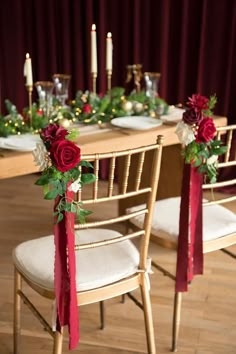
x=219 y=223
x=107 y=261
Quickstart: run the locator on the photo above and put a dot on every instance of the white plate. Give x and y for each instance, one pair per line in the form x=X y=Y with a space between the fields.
x=136 y=122
x=24 y=142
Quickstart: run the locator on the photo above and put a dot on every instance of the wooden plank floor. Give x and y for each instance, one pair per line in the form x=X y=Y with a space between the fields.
x=208 y=324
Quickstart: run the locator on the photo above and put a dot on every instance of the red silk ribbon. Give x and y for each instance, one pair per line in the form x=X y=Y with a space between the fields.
x=190 y=249
x=65 y=273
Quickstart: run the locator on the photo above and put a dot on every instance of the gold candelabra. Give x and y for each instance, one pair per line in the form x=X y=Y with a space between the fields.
x=30 y=90
x=94 y=80
x=109 y=75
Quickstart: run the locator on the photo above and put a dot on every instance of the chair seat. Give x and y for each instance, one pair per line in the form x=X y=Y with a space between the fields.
x=96 y=267
x=217 y=220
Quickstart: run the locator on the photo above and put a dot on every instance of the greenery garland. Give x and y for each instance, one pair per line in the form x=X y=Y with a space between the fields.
x=86 y=108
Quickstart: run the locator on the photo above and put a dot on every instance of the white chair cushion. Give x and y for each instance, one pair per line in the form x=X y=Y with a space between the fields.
x=96 y=267
x=217 y=220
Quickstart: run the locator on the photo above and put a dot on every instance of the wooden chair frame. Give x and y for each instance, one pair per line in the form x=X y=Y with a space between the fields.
x=228 y=160
x=135 y=281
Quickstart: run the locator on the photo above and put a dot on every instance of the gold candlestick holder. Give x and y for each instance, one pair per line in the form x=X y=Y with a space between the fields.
x=30 y=90
x=94 y=80
x=109 y=75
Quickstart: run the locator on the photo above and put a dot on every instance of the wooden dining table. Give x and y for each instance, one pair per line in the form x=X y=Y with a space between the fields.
x=15 y=163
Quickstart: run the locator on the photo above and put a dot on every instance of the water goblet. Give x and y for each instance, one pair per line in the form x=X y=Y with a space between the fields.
x=151 y=82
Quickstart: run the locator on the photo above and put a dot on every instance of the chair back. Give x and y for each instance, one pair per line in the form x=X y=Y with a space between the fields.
x=223 y=192
x=125 y=181
x=226 y=167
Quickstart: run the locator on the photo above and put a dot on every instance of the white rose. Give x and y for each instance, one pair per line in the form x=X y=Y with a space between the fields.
x=184 y=133
x=212 y=160
x=75 y=186
x=40 y=156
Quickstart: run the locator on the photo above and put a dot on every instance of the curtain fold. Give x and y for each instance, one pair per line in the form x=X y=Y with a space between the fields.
x=191 y=42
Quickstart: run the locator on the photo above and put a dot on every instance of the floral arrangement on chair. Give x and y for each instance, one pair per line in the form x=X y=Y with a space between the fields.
x=196 y=132
x=58 y=157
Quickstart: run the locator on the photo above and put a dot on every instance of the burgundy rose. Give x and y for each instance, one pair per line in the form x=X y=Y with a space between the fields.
x=198 y=102
x=87 y=108
x=192 y=117
x=64 y=154
x=206 y=130
x=53 y=132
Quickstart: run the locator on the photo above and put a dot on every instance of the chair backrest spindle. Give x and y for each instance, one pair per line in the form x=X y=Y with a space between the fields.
x=111 y=175
x=139 y=170
x=126 y=173
x=129 y=166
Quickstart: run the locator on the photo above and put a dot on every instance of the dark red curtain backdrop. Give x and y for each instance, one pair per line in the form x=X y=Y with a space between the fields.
x=191 y=42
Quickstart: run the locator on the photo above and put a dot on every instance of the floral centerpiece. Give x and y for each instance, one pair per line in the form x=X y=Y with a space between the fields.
x=86 y=108
x=196 y=132
x=91 y=108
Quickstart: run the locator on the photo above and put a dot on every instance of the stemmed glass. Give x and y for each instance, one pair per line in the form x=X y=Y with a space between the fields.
x=152 y=81
x=61 y=82
x=44 y=90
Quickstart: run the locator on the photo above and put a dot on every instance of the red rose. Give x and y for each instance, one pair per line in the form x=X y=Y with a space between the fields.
x=87 y=108
x=192 y=117
x=53 y=132
x=198 y=102
x=206 y=130
x=64 y=154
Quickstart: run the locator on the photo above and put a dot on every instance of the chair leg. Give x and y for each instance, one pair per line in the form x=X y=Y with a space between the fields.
x=176 y=320
x=102 y=314
x=57 y=343
x=148 y=317
x=17 y=308
x=123 y=298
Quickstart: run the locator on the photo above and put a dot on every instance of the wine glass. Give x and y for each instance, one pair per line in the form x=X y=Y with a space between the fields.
x=44 y=90
x=61 y=82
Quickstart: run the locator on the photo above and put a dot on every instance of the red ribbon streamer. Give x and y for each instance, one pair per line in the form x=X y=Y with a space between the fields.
x=190 y=249
x=65 y=273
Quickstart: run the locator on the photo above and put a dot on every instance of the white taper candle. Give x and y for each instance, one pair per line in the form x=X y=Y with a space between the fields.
x=94 y=68
x=109 y=48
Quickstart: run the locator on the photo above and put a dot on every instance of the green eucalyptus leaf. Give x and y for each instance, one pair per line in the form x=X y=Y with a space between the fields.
x=54 y=182
x=73 y=208
x=60 y=189
x=82 y=213
x=88 y=178
x=59 y=218
x=85 y=164
x=44 y=179
x=75 y=173
x=197 y=162
x=45 y=189
x=67 y=207
x=52 y=194
x=202 y=169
